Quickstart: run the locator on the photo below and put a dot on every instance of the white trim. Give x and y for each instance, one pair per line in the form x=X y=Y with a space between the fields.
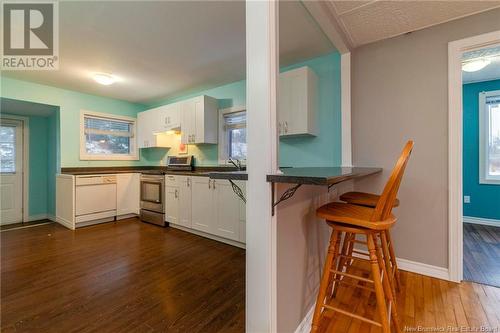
x=65 y=223
x=222 y=149
x=416 y=267
x=481 y=221
x=324 y=15
x=262 y=53
x=484 y=177
x=455 y=134
x=305 y=324
x=209 y=236
x=37 y=217
x=133 y=156
x=345 y=86
x=26 y=160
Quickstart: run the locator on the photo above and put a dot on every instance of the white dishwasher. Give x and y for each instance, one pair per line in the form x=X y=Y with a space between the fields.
x=95 y=197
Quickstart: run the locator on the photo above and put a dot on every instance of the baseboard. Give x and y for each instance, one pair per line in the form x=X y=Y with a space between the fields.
x=210 y=236
x=305 y=324
x=65 y=223
x=37 y=217
x=482 y=221
x=418 y=267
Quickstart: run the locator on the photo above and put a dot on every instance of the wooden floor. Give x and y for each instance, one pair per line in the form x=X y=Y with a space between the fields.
x=135 y=277
x=123 y=277
x=423 y=302
x=482 y=254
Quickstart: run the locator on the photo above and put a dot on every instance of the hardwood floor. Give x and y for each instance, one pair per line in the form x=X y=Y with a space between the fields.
x=423 y=302
x=482 y=254
x=123 y=277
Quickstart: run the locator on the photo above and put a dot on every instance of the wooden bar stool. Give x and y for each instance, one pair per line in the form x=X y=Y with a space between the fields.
x=347 y=221
x=370 y=200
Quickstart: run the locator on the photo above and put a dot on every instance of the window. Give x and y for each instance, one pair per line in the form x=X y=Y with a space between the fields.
x=489 y=131
x=233 y=140
x=107 y=137
x=7 y=149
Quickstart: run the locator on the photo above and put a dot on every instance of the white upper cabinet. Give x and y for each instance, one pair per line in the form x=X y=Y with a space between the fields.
x=148 y=129
x=199 y=120
x=170 y=117
x=297 y=104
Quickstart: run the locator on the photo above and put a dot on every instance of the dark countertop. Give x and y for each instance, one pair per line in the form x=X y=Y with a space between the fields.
x=229 y=175
x=320 y=175
x=203 y=171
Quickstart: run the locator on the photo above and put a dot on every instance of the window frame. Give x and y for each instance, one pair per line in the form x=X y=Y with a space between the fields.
x=484 y=177
x=134 y=151
x=223 y=137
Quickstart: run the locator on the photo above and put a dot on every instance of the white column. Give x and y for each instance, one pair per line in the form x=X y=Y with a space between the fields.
x=262 y=72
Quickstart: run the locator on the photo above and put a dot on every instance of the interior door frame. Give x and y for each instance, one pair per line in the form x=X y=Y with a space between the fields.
x=26 y=154
x=455 y=146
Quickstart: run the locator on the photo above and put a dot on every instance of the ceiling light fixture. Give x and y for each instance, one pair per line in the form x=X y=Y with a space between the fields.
x=475 y=65
x=104 y=79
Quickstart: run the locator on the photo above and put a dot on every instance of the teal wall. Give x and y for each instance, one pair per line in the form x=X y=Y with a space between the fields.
x=485 y=198
x=70 y=103
x=322 y=150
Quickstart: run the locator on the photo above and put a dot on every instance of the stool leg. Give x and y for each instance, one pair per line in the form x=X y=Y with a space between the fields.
x=387 y=259
x=325 y=280
x=379 y=291
x=342 y=261
x=393 y=259
x=388 y=288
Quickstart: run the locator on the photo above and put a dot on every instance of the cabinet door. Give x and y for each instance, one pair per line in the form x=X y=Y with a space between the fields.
x=144 y=138
x=127 y=193
x=199 y=120
x=185 y=206
x=228 y=210
x=188 y=122
x=283 y=102
x=296 y=120
x=202 y=213
x=172 y=204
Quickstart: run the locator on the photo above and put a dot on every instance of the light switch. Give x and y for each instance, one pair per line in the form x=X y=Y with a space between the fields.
x=466 y=199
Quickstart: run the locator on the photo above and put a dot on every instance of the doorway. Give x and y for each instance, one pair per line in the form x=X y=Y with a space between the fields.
x=13 y=157
x=468 y=242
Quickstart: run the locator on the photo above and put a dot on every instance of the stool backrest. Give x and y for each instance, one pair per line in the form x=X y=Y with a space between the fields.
x=386 y=201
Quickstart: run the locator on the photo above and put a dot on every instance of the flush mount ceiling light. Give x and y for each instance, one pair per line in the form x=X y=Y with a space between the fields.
x=475 y=65
x=104 y=78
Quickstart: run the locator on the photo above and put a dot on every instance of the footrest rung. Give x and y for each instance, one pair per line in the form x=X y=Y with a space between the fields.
x=352 y=315
x=352 y=276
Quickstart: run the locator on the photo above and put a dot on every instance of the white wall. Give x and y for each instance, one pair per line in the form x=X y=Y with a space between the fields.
x=400 y=92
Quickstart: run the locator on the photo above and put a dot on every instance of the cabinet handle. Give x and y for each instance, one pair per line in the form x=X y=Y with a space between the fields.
x=176 y=194
x=286 y=126
x=188 y=182
x=209 y=183
x=279 y=127
x=213 y=185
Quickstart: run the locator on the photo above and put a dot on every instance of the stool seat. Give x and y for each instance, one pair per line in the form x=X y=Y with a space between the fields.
x=363 y=199
x=353 y=215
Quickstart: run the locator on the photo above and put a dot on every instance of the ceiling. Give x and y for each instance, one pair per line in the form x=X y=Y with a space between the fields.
x=161 y=49
x=363 y=22
x=490 y=72
x=23 y=108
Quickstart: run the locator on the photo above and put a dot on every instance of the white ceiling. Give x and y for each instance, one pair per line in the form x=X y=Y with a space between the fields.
x=23 y=108
x=165 y=48
x=364 y=22
x=488 y=73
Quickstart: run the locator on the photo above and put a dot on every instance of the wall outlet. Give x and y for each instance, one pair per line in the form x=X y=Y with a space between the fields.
x=466 y=199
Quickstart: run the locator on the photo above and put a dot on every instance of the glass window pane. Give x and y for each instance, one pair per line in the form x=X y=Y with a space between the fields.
x=7 y=149
x=238 y=143
x=98 y=144
x=494 y=140
x=107 y=136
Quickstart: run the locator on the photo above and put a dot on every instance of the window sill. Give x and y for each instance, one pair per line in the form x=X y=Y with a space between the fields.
x=489 y=181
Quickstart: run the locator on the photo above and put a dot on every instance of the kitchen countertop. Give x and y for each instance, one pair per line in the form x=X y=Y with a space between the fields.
x=198 y=171
x=320 y=175
x=229 y=175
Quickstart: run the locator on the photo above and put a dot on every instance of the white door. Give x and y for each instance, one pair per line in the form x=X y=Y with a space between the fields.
x=228 y=210
x=11 y=168
x=172 y=204
x=202 y=217
x=185 y=202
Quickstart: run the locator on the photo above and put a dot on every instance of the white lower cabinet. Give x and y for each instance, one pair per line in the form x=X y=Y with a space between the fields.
x=206 y=205
x=127 y=193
